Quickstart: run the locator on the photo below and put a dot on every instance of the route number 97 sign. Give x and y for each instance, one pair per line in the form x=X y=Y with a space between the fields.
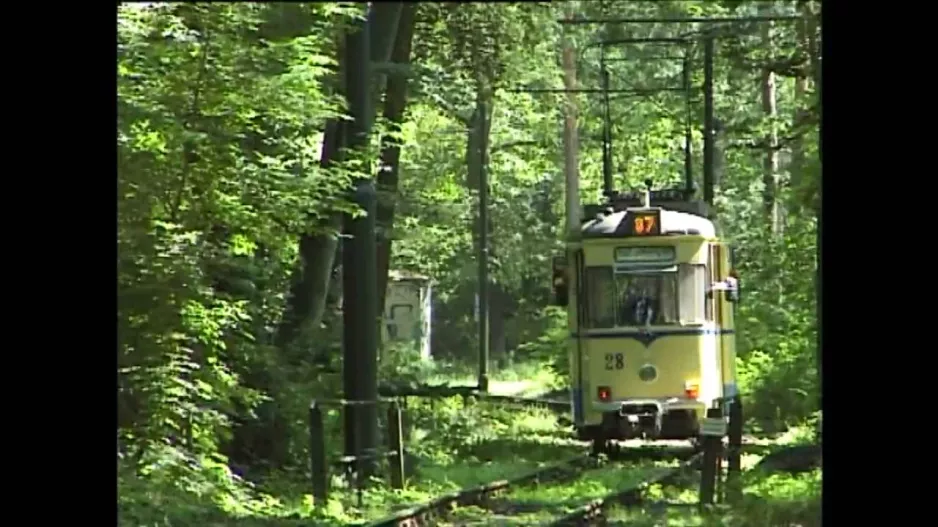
x=646 y=223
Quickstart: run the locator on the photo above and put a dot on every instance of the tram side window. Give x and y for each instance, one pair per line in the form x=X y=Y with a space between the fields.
x=600 y=294
x=693 y=285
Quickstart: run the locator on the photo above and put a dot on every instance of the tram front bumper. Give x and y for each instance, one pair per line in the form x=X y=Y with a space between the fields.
x=669 y=416
x=636 y=407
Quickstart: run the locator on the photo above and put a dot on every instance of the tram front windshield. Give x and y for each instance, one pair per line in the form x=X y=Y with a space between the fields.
x=646 y=298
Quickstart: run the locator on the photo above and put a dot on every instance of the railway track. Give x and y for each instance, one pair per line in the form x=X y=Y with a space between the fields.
x=631 y=467
x=426 y=514
x=514 y=502
x=594 y=512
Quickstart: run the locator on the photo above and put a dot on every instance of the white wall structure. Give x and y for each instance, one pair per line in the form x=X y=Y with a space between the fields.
x=408 y=310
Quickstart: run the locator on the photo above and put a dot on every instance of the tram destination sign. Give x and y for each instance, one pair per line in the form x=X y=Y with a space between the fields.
x=659 y=254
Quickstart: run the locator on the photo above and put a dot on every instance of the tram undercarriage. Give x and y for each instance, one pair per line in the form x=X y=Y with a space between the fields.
x=642 y=421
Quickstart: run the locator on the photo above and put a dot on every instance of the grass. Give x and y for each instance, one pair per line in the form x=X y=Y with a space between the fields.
x=528 y=380
x=536 y=504
x=454 y=443
x=778 y=500
x=463 y=444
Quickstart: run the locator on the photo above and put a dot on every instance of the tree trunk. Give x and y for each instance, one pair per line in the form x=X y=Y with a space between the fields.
x=770 y=162
x=814 y=55
x=313 y=278
x=395 y=102
x=571 y=145
x=814 y=51
x=797 y=149
x=307 y=300
x=497 y=338
x=382 y=44
x=266 y=439
x=798 y=165
x=478 y=130
x=720 y=143
x=473 y=150
x=474 y=159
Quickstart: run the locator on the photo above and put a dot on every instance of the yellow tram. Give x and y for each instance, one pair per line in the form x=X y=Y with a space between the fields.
x=649 y=293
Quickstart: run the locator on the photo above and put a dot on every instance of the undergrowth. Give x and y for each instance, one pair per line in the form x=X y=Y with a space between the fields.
x=452 y=443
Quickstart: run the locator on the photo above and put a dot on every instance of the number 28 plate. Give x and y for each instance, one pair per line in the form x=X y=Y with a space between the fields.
x=712 y=426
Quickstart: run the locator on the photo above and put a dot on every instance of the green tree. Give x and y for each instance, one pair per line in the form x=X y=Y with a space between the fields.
x=233 y=177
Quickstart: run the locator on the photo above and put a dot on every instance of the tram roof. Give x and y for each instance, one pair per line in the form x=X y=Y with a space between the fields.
x=672 y=223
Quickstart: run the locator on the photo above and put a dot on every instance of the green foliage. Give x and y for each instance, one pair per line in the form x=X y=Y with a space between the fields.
x=781 y=500
x=401 y=364
x=778 y=338
x=221 y=112
x=171 y=487
x=217 y=176
x=776 y=501
x=803 y=433
x=551 y=346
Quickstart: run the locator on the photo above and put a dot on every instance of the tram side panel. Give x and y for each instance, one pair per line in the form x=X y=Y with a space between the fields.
x=728 y=343
x=728 y=335
x=724 y=309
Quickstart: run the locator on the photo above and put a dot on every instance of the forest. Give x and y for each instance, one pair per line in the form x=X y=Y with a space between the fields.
x=237 y=155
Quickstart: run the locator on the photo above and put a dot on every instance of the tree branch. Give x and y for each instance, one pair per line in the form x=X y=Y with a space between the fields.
x=514 y=144
x=806 y=119
x=449 y=109
x=188 y=151
x=797 y=132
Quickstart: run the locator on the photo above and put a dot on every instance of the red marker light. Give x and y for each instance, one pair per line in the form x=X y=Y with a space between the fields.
x=604 y=393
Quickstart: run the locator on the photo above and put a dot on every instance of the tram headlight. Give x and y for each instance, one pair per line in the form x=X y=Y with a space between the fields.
x=692 y=389
x=648 y=373
x=604 y=393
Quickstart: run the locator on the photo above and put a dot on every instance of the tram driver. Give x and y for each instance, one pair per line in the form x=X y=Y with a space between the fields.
x=641 y=304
